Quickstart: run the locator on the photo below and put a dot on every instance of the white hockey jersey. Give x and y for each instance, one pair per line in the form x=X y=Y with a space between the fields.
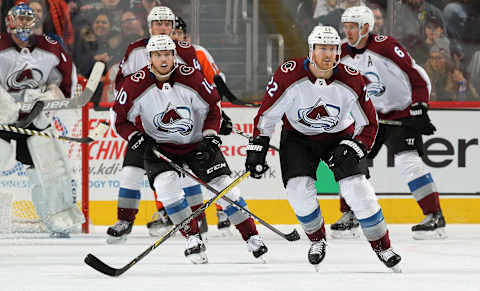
x=396 y=81
x=43 y=63
x=174 y=113
x=317 y=108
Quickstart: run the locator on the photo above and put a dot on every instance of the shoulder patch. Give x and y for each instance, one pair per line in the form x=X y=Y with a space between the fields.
x=351 y=71
x=184 y=44
x=138 y=76
x=288 y=66
x=50 y=40
x=186 y=70
x=381 y=38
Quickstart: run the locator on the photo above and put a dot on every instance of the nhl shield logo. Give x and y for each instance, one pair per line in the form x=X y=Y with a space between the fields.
x=320 y=115
x=174 y=119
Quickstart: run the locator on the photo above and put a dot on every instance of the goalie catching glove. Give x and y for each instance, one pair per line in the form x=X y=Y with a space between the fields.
x=256 y=155
x=419 y=120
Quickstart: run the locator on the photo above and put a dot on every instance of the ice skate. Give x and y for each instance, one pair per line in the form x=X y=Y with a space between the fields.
x=160 y=222
x=117 y=234
x=432 y=227
x=347 y=227
x=256 y=246
x=317 y=252
x=390 y=259
x=195 y=249
x=223 y=224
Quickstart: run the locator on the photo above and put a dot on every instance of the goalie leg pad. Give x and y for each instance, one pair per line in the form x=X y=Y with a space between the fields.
x=6 y=152
x=53 y=187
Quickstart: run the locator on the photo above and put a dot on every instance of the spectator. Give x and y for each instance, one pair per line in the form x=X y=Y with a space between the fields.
x=378 y=13
x=323 y=7
x=38 y=7
x=433 y=33
x=411 y=21
x=98 y=44
x=439 y=67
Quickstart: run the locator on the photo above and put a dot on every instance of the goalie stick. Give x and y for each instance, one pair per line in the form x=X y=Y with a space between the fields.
x=390 y=122
x=36 y=110
x=96 y=133
x=77 y=102
x=293 y=236
x=100 y=266
x=239 y=132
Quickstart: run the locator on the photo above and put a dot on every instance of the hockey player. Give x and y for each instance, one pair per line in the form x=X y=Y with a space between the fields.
x=37 y=68
x=209 y=70
x=161 y=21
x=174 y=110
x=320 y=101
x=400 y=91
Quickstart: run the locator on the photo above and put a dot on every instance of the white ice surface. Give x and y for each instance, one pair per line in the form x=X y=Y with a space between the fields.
x=48 y=264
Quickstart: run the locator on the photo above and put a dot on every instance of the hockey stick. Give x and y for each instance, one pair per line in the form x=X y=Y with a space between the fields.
x=390 y=122
x=293 y=236
x=77 y=102
x=239 y=132
x=100 y=266
x=224 y=91
x=96 y=133
x=36 y=110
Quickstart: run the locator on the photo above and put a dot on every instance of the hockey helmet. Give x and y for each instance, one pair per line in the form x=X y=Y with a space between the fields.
x=324 y=35
x=360 y=15
x=20 y=21
x=159 y=13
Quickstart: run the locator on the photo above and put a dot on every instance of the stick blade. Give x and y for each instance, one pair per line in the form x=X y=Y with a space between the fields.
x=100 y=266
x=293 y=236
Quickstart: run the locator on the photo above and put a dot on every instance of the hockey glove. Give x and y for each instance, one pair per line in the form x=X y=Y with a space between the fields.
x=227 y=126
x=347 y=149
x=137 y=142
x=419 y=120
x=208 y=148
x=256 y=155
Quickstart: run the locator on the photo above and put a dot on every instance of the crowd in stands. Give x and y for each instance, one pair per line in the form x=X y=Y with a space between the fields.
x=441 y=35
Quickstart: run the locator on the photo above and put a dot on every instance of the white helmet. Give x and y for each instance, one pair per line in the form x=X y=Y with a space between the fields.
x=324 y=35
x=360 y=15
x=162 y=43
x=160 y=13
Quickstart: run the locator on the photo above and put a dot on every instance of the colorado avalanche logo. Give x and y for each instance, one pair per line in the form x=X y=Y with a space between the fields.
x=24 y=79
x=320 y=115
x=174 y=119
x=184 y=44
x=376 y=87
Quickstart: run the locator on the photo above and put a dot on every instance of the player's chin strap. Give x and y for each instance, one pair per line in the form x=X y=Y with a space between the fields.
x=335 y=64
x=160 y=76
x=360 y=37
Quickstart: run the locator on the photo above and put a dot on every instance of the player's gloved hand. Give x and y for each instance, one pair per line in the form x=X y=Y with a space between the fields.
x=419 y=119
x=345 y=150
x=227 y=126
x=256 y=155
x=137 y=141
x=208 y=148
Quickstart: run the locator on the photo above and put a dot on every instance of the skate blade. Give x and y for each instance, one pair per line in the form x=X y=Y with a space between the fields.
x=345 y=234
x=262 y=259
x=113 y=240
x=396 y=269
x=436 y=234
x=198 y=259
x=316 y=267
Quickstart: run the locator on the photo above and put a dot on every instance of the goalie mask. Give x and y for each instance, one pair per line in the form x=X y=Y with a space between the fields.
x=20 y=21
x=160 y=13
x=360 y=15
x=324 y=35
x=161 y=43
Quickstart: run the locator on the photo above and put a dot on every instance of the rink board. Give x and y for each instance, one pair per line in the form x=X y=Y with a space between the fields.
x=452 y=156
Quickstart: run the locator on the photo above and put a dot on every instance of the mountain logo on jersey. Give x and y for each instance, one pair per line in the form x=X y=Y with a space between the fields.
x=320 y=115
x=24 y=79
x=376 y=87
x=174 y=119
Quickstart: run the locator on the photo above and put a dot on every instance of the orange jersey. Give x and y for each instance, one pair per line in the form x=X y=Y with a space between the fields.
x=209 y=68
